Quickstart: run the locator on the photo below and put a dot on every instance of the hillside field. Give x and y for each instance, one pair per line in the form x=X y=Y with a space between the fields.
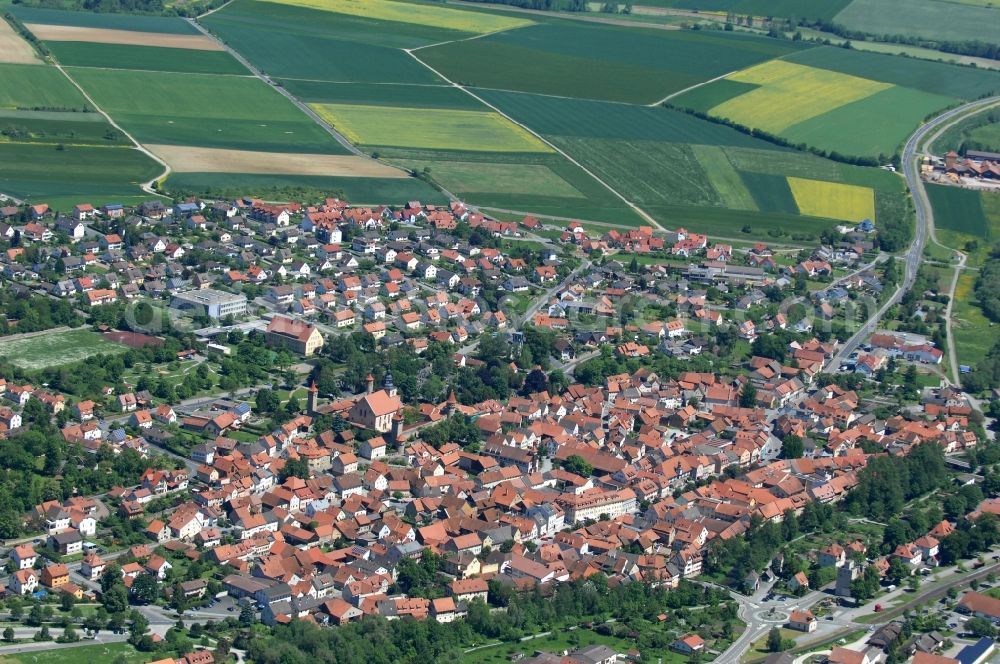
x=429 y=128
x=591 y=61
x=150 y=58
x=853 y=103
x=37 y=87
x=244 y=113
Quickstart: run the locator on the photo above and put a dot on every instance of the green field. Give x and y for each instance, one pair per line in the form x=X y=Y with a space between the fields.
x=40 y=172
x=294 y=55
x=974 y=334
x=378 y=94
x=112 y=21
x=313 y=23
x=173 y=109
x=987 y=136
x=593 y=61
x=771 y=192
x=288 y=187
x=876 y=125
x=463 y=177
x=429 y=128
x=849 y=102
x=594 y=119
x=825 y=9
x=59 y=127
x=39 y=87
x=51 y=350
x=933 y=77
x=922 y=18
x=150 y=58
x=725 y=179
x=958 y=209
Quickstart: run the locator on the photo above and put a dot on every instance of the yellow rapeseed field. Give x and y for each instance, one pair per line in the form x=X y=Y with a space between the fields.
x=832 y=200
x=790 y=93
x=406 y=12
x=429 y=128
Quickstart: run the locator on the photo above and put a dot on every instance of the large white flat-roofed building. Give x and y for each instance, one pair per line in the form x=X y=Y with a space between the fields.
x=214 y=303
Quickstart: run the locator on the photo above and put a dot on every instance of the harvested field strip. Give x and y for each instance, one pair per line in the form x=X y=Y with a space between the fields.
x=429 y=128
x=405 y=12
x=107 y=36
x=833 y=200
x=114 y=21
x=186 y=159
x=724 y=177
x=13 y=47
x=790 y=94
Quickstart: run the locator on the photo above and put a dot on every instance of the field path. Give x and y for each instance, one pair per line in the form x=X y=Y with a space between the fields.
x=146 y=186
x=642 y=213
x=691 y=87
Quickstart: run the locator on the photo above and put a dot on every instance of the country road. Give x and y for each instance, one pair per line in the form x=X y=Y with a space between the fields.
x=924 y=222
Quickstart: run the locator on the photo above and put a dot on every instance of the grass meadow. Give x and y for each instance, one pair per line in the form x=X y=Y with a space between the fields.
x=921 y=18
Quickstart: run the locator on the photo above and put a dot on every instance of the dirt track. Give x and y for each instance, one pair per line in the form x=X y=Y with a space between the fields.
x=127 y=37
x=13 y=48
x=185 y=159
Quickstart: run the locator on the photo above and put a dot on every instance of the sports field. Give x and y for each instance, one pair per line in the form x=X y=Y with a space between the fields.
x=37 y=87
x=188 y=159
x=13 y=48
x=789 y=94
x=244 y=113
x=833 y=200
x=433 y=128
x=55 y=349
x=406 y=12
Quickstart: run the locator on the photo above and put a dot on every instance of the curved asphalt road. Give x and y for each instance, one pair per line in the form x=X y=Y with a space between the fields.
x=925 y=219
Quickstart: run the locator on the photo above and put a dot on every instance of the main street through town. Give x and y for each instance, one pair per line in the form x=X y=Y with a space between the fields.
x=924 y=222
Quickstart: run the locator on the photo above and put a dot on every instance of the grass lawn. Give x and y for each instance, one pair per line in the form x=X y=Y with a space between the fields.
x=759 y=647
x=49 y=350
x=81 y=655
